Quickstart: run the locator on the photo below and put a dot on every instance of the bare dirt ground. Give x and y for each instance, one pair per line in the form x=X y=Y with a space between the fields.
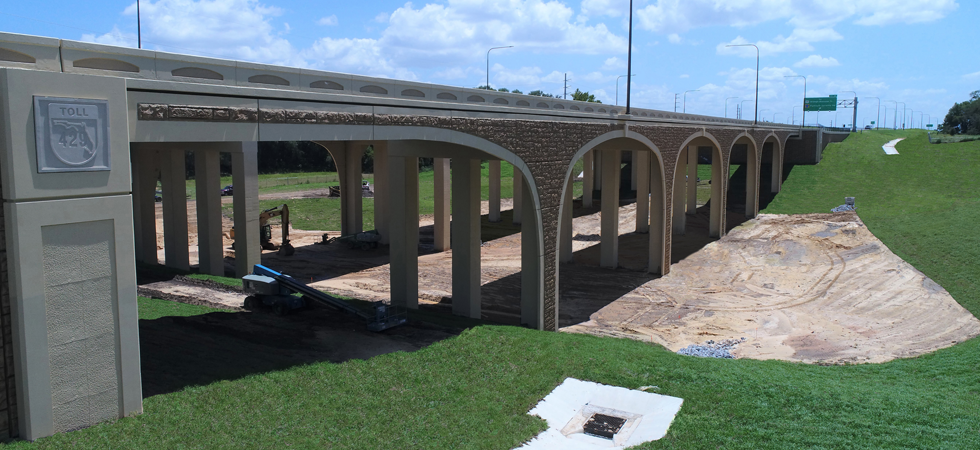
x=816 y=288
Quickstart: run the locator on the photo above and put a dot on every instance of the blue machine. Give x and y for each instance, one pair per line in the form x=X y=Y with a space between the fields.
x=275 y=289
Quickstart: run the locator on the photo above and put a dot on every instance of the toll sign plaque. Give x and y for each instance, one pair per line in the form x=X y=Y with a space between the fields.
x=71 y=134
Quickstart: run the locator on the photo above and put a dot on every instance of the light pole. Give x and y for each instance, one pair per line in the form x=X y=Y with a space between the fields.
x=742 y=105
x=685 y=99
x=794 y=114
x=488 y=63
x=903 y=113
x=756 y=122
x=617 y=87
x=139 y=27
x=855 y=113
x=629 y=60
x=877 y=117
x=774 y=116
x=803 y=121
x=895 y=119
x=762 y=111
x=726 y=105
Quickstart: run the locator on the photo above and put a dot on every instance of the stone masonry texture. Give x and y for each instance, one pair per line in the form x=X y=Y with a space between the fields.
x=8 y=397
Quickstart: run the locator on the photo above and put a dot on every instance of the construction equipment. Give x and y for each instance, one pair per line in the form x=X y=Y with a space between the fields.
x=270 y=288
x=363 y=241
x=265 y=230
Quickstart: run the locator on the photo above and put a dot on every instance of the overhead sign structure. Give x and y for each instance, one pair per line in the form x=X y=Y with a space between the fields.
x=820 y=103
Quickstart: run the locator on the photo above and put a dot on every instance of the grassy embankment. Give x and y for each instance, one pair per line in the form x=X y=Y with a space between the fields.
x=473 y=391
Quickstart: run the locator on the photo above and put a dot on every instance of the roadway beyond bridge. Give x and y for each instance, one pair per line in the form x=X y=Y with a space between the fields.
x=88 y=130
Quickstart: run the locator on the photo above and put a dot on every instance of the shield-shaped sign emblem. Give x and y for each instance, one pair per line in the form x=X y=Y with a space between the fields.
x=71 y=134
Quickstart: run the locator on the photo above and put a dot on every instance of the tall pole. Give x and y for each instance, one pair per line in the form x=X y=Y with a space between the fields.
x=617 y=86
x=802 y=122
x=855 y=112
x=742 y=104
x=895 y=119
x=139 y=28
x=794 y=113
x=685 y=99
x=488 y=62
x=903 y=114
x=756 y=122
x=726 y=105
x=629 y=60
x=877 y=117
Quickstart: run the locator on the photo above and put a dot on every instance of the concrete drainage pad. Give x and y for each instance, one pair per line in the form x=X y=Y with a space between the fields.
x=616 y=417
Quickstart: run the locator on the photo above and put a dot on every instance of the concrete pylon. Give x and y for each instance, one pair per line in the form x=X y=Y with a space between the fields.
x=494 y=190
x=518 y=196
x=403 y=176
x=642 y=162
x=146 y=173
x=692 y=180
x=351 y=194
x=633 y=170
x=680 y=193
x=777 y=170
x=440 y=229
x=207 y=178
x=381 y=190
x=609 y=232
x=565 y=227
x=751 y=181
x=658 y=218
x=719 y=184
x=466 y=237
x=588 y=178
x=245 y=178
x=532 y=268
x=174 y=180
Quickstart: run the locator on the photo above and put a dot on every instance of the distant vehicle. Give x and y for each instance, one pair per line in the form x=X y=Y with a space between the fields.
x=227 y=190
x=867 y=127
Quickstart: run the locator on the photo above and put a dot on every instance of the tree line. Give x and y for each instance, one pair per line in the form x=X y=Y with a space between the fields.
x=963 y=118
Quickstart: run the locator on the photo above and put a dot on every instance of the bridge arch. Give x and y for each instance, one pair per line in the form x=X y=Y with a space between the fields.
x=685 y=194
x=752 y=158
x=777 y=149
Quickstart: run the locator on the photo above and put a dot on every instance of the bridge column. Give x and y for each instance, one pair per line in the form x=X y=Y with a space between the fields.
x=381 y=190
x=634 y=168
x=680 y=193
x=692 y=180
x=245 y=178
x=565 y=228
x=518 y=196
x=466 y=237
x=173 y=177
x=440 y=229
x=658 y=217
x=588 y=179
x=532 y=267
x=207 y=178
x=642 y=163
x=609 y=233
x=719 y=184
x=351 y=194
x=494 y=190
x=597 y=169
x=777 y=170
x=751 y=182
x=403 y=176
x=145 y=172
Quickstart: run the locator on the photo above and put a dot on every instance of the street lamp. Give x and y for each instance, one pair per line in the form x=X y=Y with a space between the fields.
x=685 y=98
x=895 y=119
x=726 y=105
x=802 y=122
x=742 y=105
x=762 y=111
x=877 y=117
x=794 y=114
x=774 y=116
x=903 y=114
x=617 y=87
x=756 y=122
x=629 y=60
x=488 y=62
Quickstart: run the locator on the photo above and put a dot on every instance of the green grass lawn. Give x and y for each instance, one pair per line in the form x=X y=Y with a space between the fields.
x=474 y=390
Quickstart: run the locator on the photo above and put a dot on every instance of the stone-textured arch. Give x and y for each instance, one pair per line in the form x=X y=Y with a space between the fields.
x=753 y=158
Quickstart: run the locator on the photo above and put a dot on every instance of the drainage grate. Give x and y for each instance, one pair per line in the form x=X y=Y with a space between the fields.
x=601 y=425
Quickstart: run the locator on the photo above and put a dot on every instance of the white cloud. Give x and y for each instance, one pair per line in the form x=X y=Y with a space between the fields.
x=674 y=38
x=328 y=21
x=971 y=76
x=382 y=17
x=114 y=37
x=595 y=77
x=685 y=76
x=798 y=41
x=614 y=64
x=360 y=56
x=817 y=61
x=611 y=8
x=885 y=12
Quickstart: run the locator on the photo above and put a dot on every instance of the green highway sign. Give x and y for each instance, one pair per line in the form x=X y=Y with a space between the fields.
x=820 y=103
x=872 y=122
x=929 y=126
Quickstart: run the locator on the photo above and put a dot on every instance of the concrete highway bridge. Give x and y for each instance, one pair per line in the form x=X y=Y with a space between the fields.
x=88 y=130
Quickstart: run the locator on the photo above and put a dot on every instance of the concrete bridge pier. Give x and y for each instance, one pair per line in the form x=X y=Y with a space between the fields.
x=173 y=180
x=532 y=269
x=381 y=190
x=565 y=227
x=609 y=218
x=642 y=163
x=588 y=178
x=145 y=173
x=692 y=180
x=519 y=186
x=245 y=178
x=658 y=217
x=403 y=179
x=494 y=166
x=680 y=192
x=466 y=237
x=207 y=178
x=440 y=228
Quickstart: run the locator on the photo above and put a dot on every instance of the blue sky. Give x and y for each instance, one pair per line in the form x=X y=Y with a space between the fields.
x=920 y=52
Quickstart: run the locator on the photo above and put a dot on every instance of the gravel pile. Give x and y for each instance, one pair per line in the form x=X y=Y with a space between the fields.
x=843 y=208
x=712 y=349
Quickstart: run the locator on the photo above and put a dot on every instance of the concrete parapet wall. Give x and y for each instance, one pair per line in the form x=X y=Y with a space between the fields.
x=808 y=148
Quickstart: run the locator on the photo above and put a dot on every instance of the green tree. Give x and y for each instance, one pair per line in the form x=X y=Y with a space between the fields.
x=964 y=117
x=540 y=93
x=584 y=97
